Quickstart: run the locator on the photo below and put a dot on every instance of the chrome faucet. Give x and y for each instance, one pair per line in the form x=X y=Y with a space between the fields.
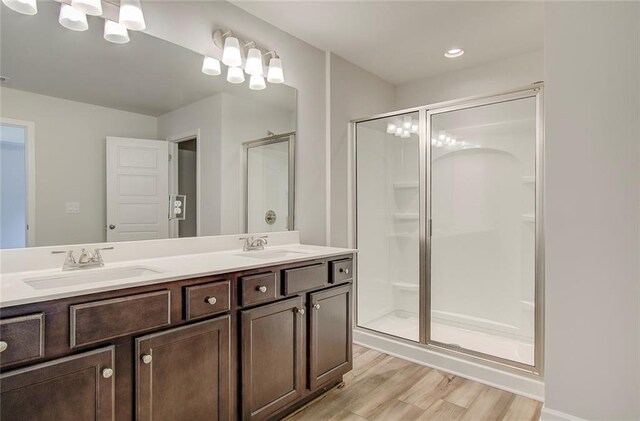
x=87 y=258
x=251 y=244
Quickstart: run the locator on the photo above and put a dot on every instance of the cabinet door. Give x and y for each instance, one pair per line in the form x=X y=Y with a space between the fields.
x=76 y=388
x=272 y=357
x=182 y=374
x=330 y=347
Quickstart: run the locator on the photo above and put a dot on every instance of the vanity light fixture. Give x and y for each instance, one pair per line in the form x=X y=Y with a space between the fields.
x=88 y=7
x=391 y=128
x=114 y=32
x=256 y=82
x=26 y=7
x=211 y=66
x=72 y=18
x=235 y=75
x=131 y=16
x=231 y=53
x=454 y=52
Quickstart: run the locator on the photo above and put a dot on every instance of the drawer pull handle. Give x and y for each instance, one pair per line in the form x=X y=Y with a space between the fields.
x=211 y=300
x=3 y=346
x=316 y=306
x=146 y=358
x=346 y=271
x=107 y=372
x=262 y=289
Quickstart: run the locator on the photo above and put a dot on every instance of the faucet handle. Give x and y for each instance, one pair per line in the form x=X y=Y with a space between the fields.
x=69 y=253
x=97 y=257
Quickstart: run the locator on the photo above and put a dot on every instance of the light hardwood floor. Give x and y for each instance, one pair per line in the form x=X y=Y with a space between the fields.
x=386 y=388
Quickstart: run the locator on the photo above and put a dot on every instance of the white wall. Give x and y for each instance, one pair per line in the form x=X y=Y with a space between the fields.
x=304 y=70
x=354 y=93
x=70 y=161
x=491 y=78
x=593 y=172
x=204 y=115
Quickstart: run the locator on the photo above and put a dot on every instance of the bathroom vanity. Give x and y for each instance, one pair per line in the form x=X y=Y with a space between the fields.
x=254 y=343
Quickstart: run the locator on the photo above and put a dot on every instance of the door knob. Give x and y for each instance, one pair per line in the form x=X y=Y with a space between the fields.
x=112 y=227
x=211 y=300
x=300 y=311
x=316 y=306
x=146 y=358
x=107 y=372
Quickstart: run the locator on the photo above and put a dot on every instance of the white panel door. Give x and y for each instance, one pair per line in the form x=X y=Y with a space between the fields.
x=137 y=189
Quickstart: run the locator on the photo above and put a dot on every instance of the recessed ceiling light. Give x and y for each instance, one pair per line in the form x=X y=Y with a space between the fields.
x=454 y=52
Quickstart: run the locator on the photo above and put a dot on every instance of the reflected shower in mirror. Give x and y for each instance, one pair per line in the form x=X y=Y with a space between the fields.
x=127 y=142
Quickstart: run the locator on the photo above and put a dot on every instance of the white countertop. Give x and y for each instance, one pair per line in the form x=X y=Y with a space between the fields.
x=14 y=291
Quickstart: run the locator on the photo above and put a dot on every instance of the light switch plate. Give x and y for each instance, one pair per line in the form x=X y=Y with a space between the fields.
x=72 y=207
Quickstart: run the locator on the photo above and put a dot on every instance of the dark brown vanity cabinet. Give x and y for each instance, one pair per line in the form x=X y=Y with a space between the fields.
x=76 y=388
x=251 y=345
x=182 y=374
x=330 y=326
x=272 y=357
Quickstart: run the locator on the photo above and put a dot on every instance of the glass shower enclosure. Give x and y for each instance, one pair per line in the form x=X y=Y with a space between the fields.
x=448 y=226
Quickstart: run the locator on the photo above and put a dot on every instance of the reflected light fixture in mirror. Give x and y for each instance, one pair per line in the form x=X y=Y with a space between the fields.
x=131 y=16
x=454 y=52
x=211 y=66
x=26 y=7
x=235 y=75
x=72 y=18
x=114 y=32
x=275 y=73
x=256 y=82
x=231 y=52
x=88 y=7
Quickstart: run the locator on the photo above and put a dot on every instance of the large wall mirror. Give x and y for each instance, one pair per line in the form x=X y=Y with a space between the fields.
x=104 y=142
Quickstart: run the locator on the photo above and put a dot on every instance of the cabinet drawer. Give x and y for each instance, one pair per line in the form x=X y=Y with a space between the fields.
x=258 y=288
x=206 y=299
x=22 y=338
x=106 y=319
x=305 y=278
x=341 y=271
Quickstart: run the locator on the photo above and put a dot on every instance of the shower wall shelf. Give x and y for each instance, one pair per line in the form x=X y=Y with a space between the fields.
x=405 y=185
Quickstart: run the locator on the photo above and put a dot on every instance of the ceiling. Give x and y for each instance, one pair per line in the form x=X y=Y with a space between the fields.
x=403 y=41
x=146 y=76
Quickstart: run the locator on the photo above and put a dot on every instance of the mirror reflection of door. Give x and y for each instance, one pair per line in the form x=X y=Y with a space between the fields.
x=269 y=185
x=183 y=182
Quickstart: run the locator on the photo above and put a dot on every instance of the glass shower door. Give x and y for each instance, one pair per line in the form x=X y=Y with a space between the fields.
x=387 y=171
x=483 y=231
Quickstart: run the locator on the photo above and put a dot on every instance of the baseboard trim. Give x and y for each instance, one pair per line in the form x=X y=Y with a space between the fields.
x=548 y=414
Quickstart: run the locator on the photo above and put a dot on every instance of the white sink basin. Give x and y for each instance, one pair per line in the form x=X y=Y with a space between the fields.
x=271 y=254
x=87 y=276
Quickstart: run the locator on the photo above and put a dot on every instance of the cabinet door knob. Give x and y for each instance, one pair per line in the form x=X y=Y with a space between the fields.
x=146 y=358
x=300 y=311
x=3 y=346
x=107 y=372
x=262 y=289
x=112 y=227
x=211 y=300
x=346 y=271
x=316 y=306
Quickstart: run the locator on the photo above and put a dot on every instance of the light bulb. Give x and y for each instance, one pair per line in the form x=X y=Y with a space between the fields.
x=441 y=136
x=114 y=32
x=434 y=141
x=275 y=73
x=131 y=16
x=405 y=134
x=26 y=7
x=235 y=75
x=391 y=128
x=256 y=82
x=399 y=131
x=406 y=124
x=231 y=53
x=414 y=128
x=72 y=19
x=88 y=7
x=211 y=66
x=254 y=62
